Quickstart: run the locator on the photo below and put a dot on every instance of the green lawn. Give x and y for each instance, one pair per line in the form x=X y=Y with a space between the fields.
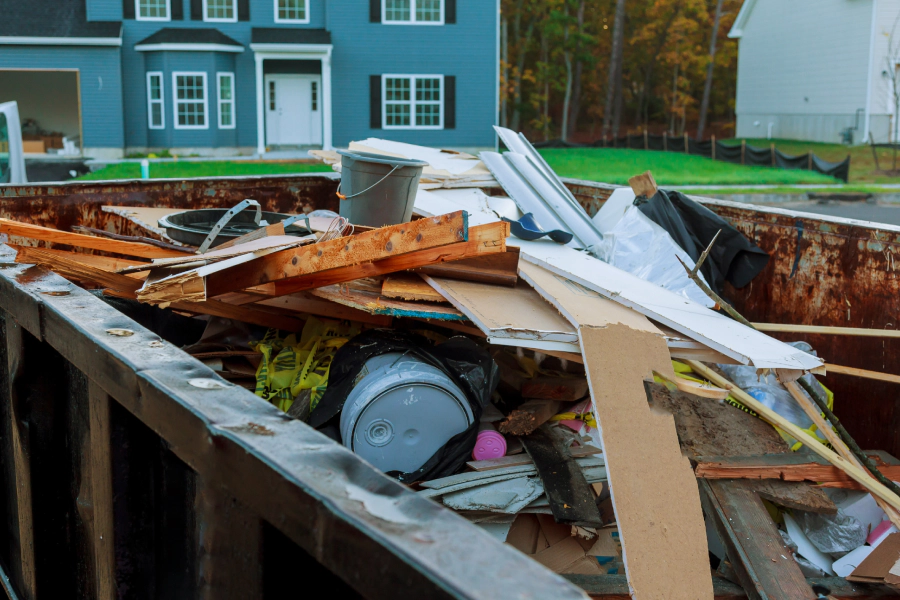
x=185 y=169
x=616 y=166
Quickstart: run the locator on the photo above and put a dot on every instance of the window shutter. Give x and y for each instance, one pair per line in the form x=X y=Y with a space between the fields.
x=196 y=10
x=127 y=9
x=374 y=11
x=177 y=10
x=375 y=101
x=450 y=12
x=449 y=102
x=243 y=10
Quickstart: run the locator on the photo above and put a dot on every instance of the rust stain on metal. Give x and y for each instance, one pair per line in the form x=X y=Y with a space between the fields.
x=252 y=428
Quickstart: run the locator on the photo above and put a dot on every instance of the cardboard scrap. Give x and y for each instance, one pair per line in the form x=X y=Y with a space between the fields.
x=877 y=567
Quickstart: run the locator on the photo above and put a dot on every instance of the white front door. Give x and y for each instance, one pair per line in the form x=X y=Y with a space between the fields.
x=293 y=110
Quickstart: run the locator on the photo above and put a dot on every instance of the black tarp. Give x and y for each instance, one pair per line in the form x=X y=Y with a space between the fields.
x=733 y=258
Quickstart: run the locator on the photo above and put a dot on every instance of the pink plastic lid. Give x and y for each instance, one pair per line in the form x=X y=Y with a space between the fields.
x=879 y=532
x=488 y=445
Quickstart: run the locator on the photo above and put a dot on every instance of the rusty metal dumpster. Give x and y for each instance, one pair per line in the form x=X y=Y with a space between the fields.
x=129 y=470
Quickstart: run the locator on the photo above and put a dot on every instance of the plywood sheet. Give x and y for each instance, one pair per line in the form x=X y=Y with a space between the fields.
x=654 y=494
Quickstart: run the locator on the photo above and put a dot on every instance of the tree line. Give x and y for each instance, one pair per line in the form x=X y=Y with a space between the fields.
x=582 y=70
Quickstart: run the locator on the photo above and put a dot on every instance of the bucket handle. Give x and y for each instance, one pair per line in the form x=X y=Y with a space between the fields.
x=343 y=197
x=226 y=218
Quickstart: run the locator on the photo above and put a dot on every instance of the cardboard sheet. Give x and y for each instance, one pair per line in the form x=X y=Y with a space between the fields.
x=654 y=493
x=517 y=313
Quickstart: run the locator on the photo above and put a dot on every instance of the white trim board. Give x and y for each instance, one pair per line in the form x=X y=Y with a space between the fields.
x=188 y=48
x=738 y=342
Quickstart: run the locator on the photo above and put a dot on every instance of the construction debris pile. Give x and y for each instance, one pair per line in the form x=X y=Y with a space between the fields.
x=562 y=380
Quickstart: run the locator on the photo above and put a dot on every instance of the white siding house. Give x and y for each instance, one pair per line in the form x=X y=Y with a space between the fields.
x=812 y=69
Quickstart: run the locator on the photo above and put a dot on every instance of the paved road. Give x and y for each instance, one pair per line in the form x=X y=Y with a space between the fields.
x=879 y=213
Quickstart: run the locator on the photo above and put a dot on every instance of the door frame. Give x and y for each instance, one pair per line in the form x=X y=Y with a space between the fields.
x=303 y=76
x=320 y=52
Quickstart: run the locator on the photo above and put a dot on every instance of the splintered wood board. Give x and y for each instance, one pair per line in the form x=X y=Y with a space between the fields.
x=376 y=304
x=375 y=245
x=280 y=242
x=509 y=315
x=305 y=302
x=79 y=240
x=409 y=287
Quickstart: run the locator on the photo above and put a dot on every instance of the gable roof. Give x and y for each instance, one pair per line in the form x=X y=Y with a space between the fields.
x=283 y=35
x=178 y=35
x=737 y=30
x=53 y=19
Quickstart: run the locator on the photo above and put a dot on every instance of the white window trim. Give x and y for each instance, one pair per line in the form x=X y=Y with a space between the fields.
x=138 y=17
x=176 y=101
x=412 y=101
x=412 y=15
x=306 y=12
x=161 y=101
x=219 y=102
x=234 y=5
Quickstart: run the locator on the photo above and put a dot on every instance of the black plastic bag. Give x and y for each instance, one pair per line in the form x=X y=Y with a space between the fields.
x=733 y=258
x=469 y=365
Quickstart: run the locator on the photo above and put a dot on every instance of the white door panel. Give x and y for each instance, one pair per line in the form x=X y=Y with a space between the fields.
x=293 y=110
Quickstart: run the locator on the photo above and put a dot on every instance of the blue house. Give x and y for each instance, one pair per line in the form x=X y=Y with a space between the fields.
x=223 y=77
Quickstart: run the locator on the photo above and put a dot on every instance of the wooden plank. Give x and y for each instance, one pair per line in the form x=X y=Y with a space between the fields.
x=23 y=558
x=563 y=389
x=107 y=263
x=305 y=302
x=103 y=539
x=764 y=565
x=123 y=286
x=827 y=330
x=861 y=373
x=496 y=269
x=273 y=230
x=528 y=417
x=517 y=314
x=409 y=287
x=762 y=467
x=145 y=217
x=483 y=240
x=343 y=252
x=46 y=234
x=656 y=502
x=376 y=304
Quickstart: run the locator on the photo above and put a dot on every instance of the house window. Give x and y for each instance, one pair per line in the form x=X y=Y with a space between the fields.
x=220 y=10
x=413 y=101
x=271 y=95
x=152 y=10
x=226 y=100
x=421 y=12
x=315 y=95
x=292 y=11
x=190 y=100
x=156 y=111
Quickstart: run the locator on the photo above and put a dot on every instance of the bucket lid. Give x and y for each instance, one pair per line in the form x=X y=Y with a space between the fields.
x=382 y=159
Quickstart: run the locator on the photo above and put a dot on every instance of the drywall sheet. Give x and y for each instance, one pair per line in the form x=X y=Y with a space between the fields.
x=517 y=314
x=653 y=489
x=443 y=162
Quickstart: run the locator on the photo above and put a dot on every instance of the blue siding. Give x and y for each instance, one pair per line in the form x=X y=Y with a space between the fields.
x=101 y=85
x=467 y=50
x=116 y=115
x=104 y=10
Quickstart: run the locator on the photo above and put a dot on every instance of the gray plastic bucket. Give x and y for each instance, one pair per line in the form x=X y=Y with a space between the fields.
x=380 y=190
x=401 y=411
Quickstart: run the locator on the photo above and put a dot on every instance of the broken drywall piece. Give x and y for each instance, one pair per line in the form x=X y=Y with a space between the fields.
x=503 y=496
